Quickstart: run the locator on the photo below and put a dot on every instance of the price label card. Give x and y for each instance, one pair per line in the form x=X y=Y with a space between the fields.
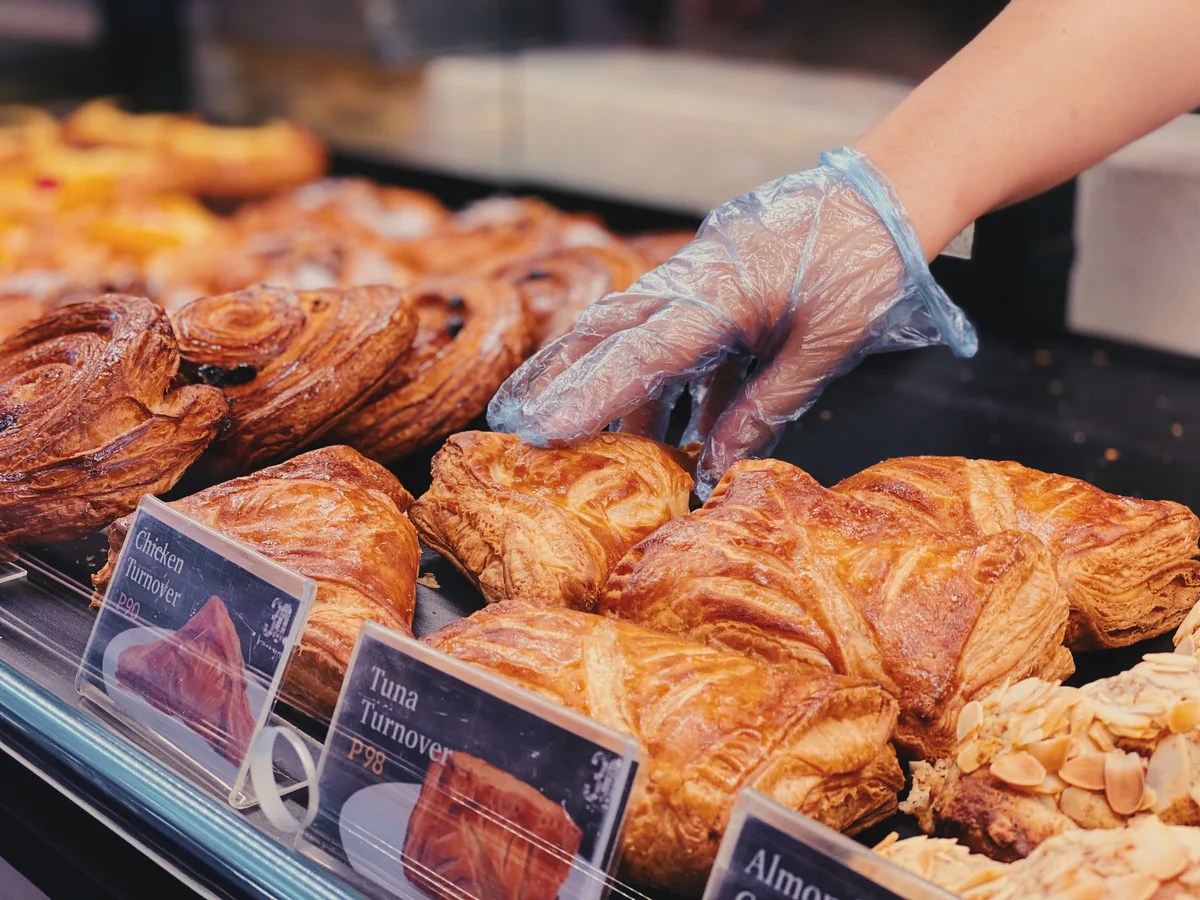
x=440 y=780
x=190 y=646
x=770 y=852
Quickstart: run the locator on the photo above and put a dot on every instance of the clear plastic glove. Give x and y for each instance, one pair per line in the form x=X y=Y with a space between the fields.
x=782 y=290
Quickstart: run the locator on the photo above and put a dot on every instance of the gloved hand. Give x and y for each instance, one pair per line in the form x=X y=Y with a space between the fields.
x=782 y=290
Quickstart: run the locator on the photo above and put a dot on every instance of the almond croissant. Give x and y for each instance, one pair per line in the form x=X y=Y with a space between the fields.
x=777 y=566
x=1126 y=565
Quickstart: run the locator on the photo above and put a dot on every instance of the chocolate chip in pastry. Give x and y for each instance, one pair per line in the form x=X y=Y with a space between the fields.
x=556 y=287
x=1126 y=565
x=1037 y=759
x=656 y=247
x=711 y=723
x=89 y=422
x=292 y=363
x=471 y=335
x=777 y=566
x=331 y=515
x=547 y=526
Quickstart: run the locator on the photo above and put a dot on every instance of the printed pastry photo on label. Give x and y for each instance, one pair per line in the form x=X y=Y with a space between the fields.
x=188 y=644
x=432 y=786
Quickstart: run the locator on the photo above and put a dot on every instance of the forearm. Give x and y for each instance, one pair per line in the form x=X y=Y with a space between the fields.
x=1046 y=90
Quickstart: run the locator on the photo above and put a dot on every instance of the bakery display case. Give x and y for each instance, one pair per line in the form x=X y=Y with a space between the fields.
x=281 y=617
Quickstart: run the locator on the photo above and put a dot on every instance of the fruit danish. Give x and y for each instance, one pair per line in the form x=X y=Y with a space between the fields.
x=89 y=419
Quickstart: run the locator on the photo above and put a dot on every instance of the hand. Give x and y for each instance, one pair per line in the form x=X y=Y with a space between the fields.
x=782 y=290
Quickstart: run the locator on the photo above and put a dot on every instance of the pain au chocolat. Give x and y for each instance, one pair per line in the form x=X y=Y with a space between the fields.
x=471 y=335
x=89 y=419
x=543 y=525
x=1126 y=565
x=336 y=517
x=292 y=363
x=779 y=567
x=711 y=723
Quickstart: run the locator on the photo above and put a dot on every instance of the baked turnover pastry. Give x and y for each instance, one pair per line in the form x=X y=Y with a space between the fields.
x=1126 y=565
x=556 y=287
x=1147 y=860
x=89 y=421
x=471 y=335
x=477 y=831
x=292 y=363
x=710 y=722
x=198 y=674
x=779 y=567
x=335 y=517
x=213 y=160
x=1037 y=759
x=547 y=526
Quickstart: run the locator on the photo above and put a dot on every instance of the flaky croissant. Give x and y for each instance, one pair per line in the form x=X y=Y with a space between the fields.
x=292 y=363
x=710 y=722
x=1126 y=565
x=547 y=525
x=1038 y=758
x=779 y=567
x=89 y=421
x=471 y=335
x=556 y=287
x=331 y=515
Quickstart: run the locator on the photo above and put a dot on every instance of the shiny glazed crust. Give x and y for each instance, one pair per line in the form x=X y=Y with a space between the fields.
x=90 y=422
x=710 y=722
x=547 y=526
x=335 y=517
x=292 y=363
x=557 y=287
x=1126 y=565
x=471 y=335
x=779 y=567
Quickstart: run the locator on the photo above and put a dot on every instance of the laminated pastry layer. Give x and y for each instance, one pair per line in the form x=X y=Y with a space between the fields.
x=547 y=526
x=91 y=419
x=1126 y=565
x=333 y=516
x=776 y=566
x=710 y=722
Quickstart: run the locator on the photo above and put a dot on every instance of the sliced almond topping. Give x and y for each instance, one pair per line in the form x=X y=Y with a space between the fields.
x=1086 y=809
x=1018 y=768
x=1081 y=716
x=969 y=758
x=969 y=718
x=1057 y=709
x=1184 y=717
x=1051 y=784
x=1084 y=771
x=1186 y=646
x=1098 y=733
x=1134 y=886
x=1113 y=715
x=1022 y=690
x=1149 y=800
x=1052 y=752
x=1164 y=859
x=1124 y=782
x=1168 y=773
x=1178 y=661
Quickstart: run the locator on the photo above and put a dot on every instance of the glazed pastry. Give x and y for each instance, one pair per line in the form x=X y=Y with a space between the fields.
x=1148 y=860
x=348 y=206
x=547 y=526
x=330 y=515
x=292 y=363
x=556 y=287
x=198 y=674
x=710 y=723
x=500 y=231
x=1037 y=759
x=471 y=335
x=213 y=160
x=779 y=567
x=477 y=831
x=656 y=247
x=89 y=422
x=1126 y=565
